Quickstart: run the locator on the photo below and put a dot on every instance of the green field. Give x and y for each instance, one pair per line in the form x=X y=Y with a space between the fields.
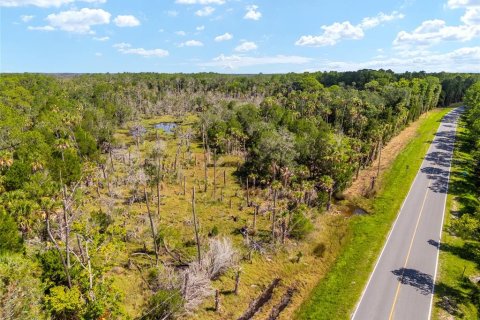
x=336 y=295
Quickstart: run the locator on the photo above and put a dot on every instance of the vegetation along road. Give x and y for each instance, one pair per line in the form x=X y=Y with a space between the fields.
x=402 y=283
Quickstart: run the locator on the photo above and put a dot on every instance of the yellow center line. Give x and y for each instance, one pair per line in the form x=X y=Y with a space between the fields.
x=408 y=255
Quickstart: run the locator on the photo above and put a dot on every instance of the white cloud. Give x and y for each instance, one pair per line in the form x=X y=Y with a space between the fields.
x=472 y=16
x=203 y=2
x=332 y=34
x=338 y=31
x=43 y=28
x=371 y=22
x=126 y=48
x=246 y=46
x=235 y=61
x=224 y=37
x=26 y=18
x=172 y=13
x=180 y=33
x=200 y=28
x=126 y=21
x=205 y=11
x=101 y=38
x=192 y=43
x=42 y=3
x=75 y=21
x=453 y=4
x=465 y=59
x=431 y=32
x=252 y=13
x=98 y=54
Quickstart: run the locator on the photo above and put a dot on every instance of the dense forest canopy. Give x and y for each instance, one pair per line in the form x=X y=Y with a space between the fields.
x=308 y=134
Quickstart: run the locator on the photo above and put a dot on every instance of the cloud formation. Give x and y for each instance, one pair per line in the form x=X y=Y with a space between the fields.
x=126 y=21
x=126 y=48
x=252 y=13
x=203 y=2
x=334 y=33
x=26 y=18
x=192 y=43
x=246 y=46
x=76 y=21
x=43 y=3
x=224 y=37
x=206 y=11
x=431 y=32
x=235 y=61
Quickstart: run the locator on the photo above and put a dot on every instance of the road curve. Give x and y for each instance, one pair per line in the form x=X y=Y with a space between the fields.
x=402 y=282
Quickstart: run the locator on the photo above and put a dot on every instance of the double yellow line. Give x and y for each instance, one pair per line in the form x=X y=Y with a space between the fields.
x=408 y=255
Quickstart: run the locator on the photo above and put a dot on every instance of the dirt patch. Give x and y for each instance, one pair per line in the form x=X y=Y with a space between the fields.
x=390 y=151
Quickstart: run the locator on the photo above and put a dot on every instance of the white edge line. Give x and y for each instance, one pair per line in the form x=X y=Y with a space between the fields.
x=443 y=219
x=390 y=233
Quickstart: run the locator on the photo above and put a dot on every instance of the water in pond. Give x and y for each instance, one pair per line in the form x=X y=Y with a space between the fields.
x=168 y=127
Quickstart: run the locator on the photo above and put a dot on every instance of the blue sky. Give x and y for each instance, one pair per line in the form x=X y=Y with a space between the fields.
x=239 y=36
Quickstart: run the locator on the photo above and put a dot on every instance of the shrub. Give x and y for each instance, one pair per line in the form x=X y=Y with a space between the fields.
x=197 y=286
x=87 y=146
x=20 y=289
x=164 y=304
x=53 y=273
x=220 y=256
x=17 y=175
x=64 y=303
x=300 y=225
x=319 y=250
x=215 y=262
x=213 y=232
x=101 y=219
x=10 y=240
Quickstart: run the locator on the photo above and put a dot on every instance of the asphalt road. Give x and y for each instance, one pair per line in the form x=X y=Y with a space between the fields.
x=402 y=282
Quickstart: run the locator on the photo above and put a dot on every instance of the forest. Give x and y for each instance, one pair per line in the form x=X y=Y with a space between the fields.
x=165 y=196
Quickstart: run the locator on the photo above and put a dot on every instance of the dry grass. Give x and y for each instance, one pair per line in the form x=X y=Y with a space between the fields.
x=295 y=262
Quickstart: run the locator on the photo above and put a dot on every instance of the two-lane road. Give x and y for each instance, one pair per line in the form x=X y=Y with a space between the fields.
x=402 y=282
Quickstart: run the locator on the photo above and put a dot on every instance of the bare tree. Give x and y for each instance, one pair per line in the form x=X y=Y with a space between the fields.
x=195 y=225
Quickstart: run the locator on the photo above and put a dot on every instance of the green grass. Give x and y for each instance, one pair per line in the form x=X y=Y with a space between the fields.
x=336 y=295
x=455 y=259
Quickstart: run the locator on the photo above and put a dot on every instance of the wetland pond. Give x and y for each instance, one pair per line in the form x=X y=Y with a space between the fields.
x=167 y=127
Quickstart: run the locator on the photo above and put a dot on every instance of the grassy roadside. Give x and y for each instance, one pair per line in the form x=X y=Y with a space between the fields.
x=336 y=295
x=455 y=259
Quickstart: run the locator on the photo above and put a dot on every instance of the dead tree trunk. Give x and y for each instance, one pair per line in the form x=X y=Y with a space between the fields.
x=158 y=188
x=206 y=172
x=237 y=282
x=274 y=214
x=284 y=302
x=379 y=158
x=184 y=185
x=197 y=238
x=57 y=247
x=217 y=300
x=67 y=225
x=260 y=301
x=248 y=195
x=152 y=225
x=215 y=175
x=255 y=213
